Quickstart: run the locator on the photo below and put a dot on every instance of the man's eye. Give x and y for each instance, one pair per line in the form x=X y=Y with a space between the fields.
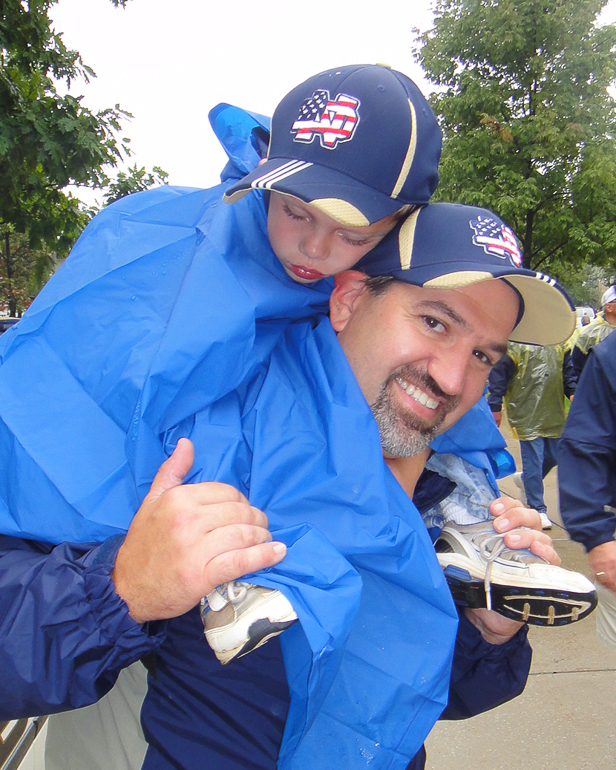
x=481 y=356
x=433 y=323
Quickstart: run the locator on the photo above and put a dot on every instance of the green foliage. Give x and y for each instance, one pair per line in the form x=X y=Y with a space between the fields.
x=585 y=283
x=528 y=121
x=135 y=180
x=47 y=141
x=23 y=270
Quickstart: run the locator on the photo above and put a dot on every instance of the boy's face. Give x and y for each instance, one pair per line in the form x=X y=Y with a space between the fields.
x=310 y=245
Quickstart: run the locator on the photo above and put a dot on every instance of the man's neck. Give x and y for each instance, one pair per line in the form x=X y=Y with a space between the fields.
x=407 y=470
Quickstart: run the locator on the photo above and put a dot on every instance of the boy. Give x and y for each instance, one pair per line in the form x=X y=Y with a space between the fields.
x=171 y=286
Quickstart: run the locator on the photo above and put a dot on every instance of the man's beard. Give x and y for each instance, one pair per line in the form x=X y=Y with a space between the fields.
x=404 y=434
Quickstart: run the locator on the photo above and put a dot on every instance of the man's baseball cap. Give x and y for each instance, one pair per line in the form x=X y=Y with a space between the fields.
x=357 y=142
x=449 y=246
x=608 y=296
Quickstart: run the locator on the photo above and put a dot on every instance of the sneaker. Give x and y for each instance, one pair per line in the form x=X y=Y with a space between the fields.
x=239 y=617
x=482 y=572
x=545 y=520
x=519 y=482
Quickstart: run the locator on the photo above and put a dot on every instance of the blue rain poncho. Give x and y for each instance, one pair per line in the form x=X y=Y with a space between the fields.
x=162 y=324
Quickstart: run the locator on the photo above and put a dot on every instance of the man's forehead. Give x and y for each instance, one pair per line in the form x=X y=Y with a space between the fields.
x=498 y=298
x=478 y=289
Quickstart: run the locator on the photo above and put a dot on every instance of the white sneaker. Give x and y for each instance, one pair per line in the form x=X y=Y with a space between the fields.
x=545 y=520
x=239 y=617
x=482 y=572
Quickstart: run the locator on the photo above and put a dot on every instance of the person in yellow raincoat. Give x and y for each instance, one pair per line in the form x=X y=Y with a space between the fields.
x=533 y=381
x=589 y=336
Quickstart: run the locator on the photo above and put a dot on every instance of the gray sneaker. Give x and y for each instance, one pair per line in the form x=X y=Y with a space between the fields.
x=239 y=617
x=482 y=572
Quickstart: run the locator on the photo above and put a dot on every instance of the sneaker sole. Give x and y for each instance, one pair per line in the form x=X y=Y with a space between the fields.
x=260 y=632
x=536 y=606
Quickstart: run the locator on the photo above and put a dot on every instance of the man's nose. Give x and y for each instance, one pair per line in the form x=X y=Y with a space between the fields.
x=449 y=369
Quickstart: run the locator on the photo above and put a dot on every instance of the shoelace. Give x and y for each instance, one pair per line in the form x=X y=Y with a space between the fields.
x=234 y=591
x=490 y=549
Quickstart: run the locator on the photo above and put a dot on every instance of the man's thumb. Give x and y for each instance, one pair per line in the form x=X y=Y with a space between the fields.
x=172 y=472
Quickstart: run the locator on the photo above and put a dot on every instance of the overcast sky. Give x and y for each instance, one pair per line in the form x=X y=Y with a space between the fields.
x=168 y=62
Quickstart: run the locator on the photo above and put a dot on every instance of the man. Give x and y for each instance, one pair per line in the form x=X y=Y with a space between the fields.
x=167 y=312
x=597 y=330
x=587 y=482
x=458 y=333
x=534 y=381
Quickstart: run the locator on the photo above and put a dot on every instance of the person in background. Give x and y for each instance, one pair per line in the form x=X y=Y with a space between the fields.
x=587 y=477
x=533 y=381
x=592 y=333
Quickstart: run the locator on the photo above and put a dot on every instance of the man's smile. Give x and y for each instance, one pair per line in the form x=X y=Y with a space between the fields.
x=419 y=395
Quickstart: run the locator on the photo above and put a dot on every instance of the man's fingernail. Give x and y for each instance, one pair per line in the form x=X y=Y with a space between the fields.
x=497 y=508
x=513 y=538
x=501 y=524
x=280 y=548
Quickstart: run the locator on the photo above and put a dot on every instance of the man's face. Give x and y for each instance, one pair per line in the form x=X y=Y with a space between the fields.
x=310 y=245
x=609 y=310
x=421 y=356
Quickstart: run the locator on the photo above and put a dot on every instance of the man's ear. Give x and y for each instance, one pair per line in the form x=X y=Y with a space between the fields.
x=349 y=287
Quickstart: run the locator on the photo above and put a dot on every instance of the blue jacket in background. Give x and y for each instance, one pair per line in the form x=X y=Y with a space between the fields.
x=587 y=451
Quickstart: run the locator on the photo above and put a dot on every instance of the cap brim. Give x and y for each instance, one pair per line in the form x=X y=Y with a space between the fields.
x=549 y=317
x=342 y=198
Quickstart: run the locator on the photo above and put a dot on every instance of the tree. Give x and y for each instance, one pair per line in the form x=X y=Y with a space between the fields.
x=528 y=121
x=23 y=270
x=47 y=141
x=135 y=180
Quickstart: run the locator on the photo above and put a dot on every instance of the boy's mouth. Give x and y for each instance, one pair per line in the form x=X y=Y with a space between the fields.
x=305 y=273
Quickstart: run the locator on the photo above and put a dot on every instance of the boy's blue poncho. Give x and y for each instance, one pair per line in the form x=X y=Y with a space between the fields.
x=172 y=317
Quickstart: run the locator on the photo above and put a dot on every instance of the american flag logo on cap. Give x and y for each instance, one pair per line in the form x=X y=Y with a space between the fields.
x=496 y=238
x=332 y=120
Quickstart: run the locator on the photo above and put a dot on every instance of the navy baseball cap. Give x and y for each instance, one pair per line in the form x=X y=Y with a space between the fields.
x=357 y=142
x=448 y=246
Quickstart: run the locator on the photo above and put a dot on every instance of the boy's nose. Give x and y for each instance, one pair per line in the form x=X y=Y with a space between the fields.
x=314 y=246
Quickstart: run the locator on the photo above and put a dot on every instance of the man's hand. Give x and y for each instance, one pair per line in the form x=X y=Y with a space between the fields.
x=186 y=539
x=498 y=417
x=602 y=559
x=508 y=514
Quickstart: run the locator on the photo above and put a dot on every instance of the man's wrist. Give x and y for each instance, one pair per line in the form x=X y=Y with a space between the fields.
x=506 y=630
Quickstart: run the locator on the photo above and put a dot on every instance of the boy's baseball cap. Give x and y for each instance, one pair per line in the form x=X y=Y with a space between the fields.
x=608 y=296
x=357 y=142
x=448 y=246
